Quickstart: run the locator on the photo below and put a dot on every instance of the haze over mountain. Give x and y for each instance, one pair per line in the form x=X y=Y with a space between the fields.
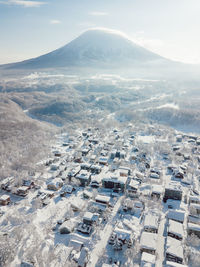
x=96 y=48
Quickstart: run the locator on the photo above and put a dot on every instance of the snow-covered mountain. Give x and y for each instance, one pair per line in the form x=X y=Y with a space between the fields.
x=95 y=47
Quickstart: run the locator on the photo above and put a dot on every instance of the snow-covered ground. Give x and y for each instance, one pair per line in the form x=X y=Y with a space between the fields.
x=150 y=157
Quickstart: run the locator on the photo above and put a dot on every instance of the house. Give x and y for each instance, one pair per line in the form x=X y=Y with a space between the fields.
x=145 y=189
x=173 y=191
x=122 y=234
x=98 y=207
x=84 y=177
x=94 y=183
x=132 y=187
x=102 y=199
x=194 y=209
x=115 y=182
x=147 y=260
x=148 y=242
x=174 y=250
x=67 y=227
x=28 y=183
x=85 y=151
x=84 y=228
x=96 y=169
x=55 y=184
x=194 y=199
x=117 y=154
x=194 y=219
x=66 y=189
x=92 y=158
x=175 y=229
x=156 y=191
x=77 y=204
x=127 y=169
x=193 y=229
x=4 y=200
x=87 y=194
x=85 y=166
x=6 y=183
x=90 y=218
x=22 y=191
x=178 y=173
x=103 y=160
x=123 y=172
x=174 y=264
x=155 y=173
x=176 y=215
x=151 y=223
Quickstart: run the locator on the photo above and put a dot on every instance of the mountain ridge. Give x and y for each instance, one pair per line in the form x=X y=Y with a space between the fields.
x=96 y=48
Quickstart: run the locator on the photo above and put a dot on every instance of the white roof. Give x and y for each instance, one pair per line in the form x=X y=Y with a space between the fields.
x=174 y=186
x=156 y=188
x=69 y=225
x=83 y=175
x=55 y=182
x=122 y=232
x=146 y=257
x=148 y=241
x=151 y=221
x=4 y=197
x=174 y=247
x=123 y=171
x=134 y=183
x=175 y=228
x=7 y=180
x=195 y=206
x=195 y=198
x=88 y=193
x=115 y=177
x=174 y=264
x=194 y=227
x=88 y=216
x=176 y=215
x=23 y=188
x=102 y=198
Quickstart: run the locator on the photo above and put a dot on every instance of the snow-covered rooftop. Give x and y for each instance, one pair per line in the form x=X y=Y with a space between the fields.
x=151 y=221
x=148 y=241
x=176 y=228
x=174 y=247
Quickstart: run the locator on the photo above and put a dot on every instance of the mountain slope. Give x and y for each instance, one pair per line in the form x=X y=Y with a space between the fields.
x=95 y=47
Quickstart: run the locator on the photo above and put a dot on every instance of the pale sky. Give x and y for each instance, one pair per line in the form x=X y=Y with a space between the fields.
x=31 y=28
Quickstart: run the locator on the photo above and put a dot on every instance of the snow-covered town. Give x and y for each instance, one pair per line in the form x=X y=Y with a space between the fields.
x=125 y=196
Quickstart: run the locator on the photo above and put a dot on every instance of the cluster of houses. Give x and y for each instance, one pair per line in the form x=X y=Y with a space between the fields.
x=108 y=164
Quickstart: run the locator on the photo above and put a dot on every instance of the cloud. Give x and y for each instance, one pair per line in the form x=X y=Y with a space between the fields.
x=98 y=13
x=24 y=3
x=55 y=21
x=149 y=43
